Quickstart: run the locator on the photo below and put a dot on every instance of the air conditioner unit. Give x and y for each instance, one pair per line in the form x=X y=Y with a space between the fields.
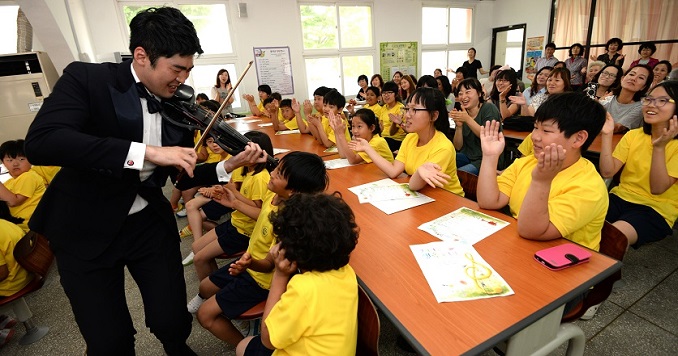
x=26 y=79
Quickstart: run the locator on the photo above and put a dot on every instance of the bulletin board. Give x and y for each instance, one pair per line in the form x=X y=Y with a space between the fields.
x=274 y=67
x=398 y=56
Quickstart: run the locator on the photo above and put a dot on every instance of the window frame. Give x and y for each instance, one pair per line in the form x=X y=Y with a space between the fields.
x=448 y=47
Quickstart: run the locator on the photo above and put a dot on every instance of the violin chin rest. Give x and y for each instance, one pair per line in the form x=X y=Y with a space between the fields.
x=184 y=92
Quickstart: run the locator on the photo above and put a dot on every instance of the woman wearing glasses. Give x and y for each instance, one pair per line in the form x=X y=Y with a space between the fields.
x=505 y=85
x=603 y=83
x=644 y=206
x=426 y=154
x=625 y=106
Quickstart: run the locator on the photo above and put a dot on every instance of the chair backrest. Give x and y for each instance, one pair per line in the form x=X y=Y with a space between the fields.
x=469 y=182
x=368 y=326
x=32 y=252
x=613 y=243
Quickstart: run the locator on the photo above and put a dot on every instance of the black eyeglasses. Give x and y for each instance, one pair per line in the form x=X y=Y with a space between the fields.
x=658 y=102
x=413 y=111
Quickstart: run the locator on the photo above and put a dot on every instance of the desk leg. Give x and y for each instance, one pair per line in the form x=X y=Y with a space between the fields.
x=545 y=335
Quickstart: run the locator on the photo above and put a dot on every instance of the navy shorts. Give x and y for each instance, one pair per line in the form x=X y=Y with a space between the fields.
x=230 y=240
x=648 y=223
x=214 y=211
x=256 y=348
x=237 y=294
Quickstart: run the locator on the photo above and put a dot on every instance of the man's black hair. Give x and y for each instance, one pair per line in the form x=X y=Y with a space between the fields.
x=163 y=32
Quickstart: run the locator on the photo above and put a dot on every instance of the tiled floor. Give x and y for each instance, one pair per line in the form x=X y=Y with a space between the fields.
x=640 y=318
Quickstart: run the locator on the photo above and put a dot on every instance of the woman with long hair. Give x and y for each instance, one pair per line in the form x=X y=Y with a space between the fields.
x=624 y=106
x=221 y=89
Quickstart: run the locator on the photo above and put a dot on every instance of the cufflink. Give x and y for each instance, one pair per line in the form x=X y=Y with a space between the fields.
x=130 y=163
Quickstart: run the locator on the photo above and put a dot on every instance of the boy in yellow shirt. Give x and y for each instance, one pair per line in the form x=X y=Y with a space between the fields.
x=234 y=289
x=258 y=109
x=23 y=191
x=313 y=303
x=555 y=192
x=333 y=102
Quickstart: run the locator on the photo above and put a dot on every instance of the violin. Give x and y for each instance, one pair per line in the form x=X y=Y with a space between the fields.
x=182 y=111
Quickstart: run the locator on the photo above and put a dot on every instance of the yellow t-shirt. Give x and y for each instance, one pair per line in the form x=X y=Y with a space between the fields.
x=381 y=146
x=262 y=240
x=330 y=132
x=527 y=146
x=261 y=108
x=635 y=150
x=290 y=124
x=254 y=187
x=577 y=201
x=317 y=314
x=46 y=172
x=30 y=185
x=18 y=277
x=376 y=109
x=439 y=151
x=211 y=156
x=386 y=121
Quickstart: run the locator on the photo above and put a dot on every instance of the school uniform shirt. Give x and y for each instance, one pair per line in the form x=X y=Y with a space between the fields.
x=46 y=172
x=381 y=146
x=290 y=124
x=30 y=185
x=577 y=202
x=18 y=277
x=527 y=146
x=439 y=151
x=254 y=187
x=630 y=115
x=317 y=314
x=386 y=121
x=262 y=240
x=635 y=151
x=376 y=109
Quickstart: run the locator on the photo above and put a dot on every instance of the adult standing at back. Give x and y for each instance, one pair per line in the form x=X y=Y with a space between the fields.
x=576 y=64
x=221 y=89
x=105 y=210
x=548 y=60
x=646 y=50
x=473 y=66
x=612 y=55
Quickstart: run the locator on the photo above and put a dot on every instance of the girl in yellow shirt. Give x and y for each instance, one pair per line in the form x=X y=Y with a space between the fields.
x=365 y=126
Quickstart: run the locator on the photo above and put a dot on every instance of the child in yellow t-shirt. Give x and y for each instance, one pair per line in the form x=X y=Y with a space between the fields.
x=644 y=206
x=286 y=118
x=24 y=190
x=391 y=129
x=333 y=102
x=12 y=276
x=258 y=109
x=312 y=307
x=234 y=289
x=365 y=126
x=555 y=192
x=309 y=107
x=371 y=102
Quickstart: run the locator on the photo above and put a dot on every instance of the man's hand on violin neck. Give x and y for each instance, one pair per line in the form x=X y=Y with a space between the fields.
x=181 y=157
x=252 y=154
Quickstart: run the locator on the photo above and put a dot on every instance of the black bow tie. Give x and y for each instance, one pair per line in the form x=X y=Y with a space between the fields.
x=152 y=103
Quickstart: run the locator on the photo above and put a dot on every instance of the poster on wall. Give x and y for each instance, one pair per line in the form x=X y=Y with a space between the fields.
x=533 y=51
x=274 y=67
x=397 y=56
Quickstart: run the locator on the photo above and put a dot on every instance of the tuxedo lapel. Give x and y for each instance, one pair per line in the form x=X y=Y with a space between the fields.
x=128 y=113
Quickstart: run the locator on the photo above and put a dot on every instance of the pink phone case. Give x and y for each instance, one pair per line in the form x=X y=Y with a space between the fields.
x=562 y=256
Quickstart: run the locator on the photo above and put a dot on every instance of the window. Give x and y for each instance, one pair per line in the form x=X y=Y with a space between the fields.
x=338 y=45
x=447 y=33
x=211 y=24
x=8 y=17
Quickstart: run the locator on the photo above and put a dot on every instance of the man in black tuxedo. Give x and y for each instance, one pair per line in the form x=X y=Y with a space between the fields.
x=105 y=210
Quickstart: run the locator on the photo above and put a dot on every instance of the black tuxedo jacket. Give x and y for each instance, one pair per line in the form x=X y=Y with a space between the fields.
x=86 y=126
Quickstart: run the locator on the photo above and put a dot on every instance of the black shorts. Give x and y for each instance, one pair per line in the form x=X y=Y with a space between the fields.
x=648 y=223
x=237 y=294
x=230 y=240
x=256 y=348
x=214 y=211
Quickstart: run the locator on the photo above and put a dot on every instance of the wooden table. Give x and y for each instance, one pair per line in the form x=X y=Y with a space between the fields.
x=388 y=270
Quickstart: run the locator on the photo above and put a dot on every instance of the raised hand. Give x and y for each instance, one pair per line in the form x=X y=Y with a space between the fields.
x=667 y=134
x=248 y=97
x=308 y=107
x=491 y=140
x=359 y=145
x=296 y=107
x=282 y=264
x=518 y=99
x=608 y=126
x=336 y=122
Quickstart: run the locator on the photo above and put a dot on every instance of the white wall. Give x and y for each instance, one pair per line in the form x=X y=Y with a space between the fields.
x=274 y=23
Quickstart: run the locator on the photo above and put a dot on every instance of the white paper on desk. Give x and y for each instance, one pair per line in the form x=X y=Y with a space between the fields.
x=337 y=163
x=456 y=272
x=464 y=225
x=242 y=121
x=332 y=149
x=389 y=206
x=265 y=124
x=288 y=132
x=277 y=151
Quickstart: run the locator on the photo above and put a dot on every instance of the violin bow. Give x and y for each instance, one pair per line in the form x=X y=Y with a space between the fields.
x=215 y=117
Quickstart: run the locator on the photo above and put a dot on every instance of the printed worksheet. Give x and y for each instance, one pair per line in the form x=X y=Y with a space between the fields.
x=337 y=163
x=288 y=132
x=332 y=149
x=365 y=191
x=464 y=225
x=456 y=272
x=277 y=151
x=265 y=124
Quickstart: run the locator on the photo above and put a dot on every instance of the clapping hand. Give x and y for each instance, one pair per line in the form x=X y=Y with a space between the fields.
x=549 y=162
x=433 y=175
x=491 y=140
x=667 y=134
x=358 y=145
